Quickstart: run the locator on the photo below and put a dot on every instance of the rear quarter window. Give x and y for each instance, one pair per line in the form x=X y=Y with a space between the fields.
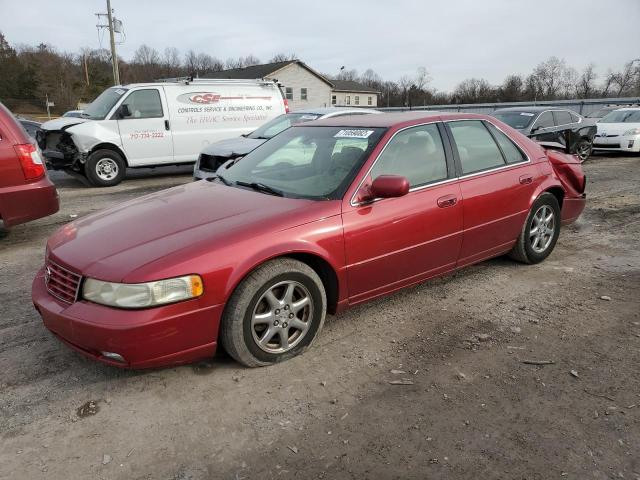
x=476 y=147
x=512 y=153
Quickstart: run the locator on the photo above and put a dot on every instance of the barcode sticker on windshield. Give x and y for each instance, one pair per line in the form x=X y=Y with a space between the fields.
x=526 y=114
x=353 y=134
x=120 y=91
x=308 y=117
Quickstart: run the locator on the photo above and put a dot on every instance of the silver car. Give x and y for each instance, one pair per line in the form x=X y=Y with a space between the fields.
x=220 y=152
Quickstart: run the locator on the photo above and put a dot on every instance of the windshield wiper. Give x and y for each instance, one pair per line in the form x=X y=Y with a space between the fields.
x=221 y=178
x=261 y=187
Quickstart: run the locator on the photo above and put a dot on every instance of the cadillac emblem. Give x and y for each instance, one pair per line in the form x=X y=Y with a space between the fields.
x=47 y=274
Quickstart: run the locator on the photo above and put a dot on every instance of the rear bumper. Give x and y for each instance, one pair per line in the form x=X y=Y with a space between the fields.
x=572 y=208
x=23 y=203
x=170 y=335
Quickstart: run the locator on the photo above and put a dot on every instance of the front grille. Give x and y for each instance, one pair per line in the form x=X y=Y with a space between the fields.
x=211 y=163
x=61 y=283
x=608 y=145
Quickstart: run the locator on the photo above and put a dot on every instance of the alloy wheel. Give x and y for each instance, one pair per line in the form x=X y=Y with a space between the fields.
x=282 y=316
x=543 y=227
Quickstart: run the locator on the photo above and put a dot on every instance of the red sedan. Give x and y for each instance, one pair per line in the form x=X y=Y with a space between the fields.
x=324 y=216
x=26 y=193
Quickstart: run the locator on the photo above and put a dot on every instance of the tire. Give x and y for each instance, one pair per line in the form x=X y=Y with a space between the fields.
x=256 y=319
x=526 y=250
x=583 y=149
x=105 y=168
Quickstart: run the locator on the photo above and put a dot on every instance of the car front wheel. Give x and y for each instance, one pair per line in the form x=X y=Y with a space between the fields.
x=583 y=149
x=540 y=231
x=105 y=168
x=274 y=314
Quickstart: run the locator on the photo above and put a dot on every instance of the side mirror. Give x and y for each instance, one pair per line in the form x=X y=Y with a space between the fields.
x=123 y=111
x=389 y=186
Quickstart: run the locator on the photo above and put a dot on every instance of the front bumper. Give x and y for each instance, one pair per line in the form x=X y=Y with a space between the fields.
x=156 y=337
x=621 y=143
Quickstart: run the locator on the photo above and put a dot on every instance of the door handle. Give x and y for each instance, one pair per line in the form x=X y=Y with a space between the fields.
x=166 y=124
x=526 y=179
x=447 y=201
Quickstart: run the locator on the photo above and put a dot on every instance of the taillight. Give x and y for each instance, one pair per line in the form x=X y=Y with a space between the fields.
x=286 y=105
x=30 y=160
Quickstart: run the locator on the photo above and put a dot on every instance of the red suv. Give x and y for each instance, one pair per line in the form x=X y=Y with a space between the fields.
x=26 y=193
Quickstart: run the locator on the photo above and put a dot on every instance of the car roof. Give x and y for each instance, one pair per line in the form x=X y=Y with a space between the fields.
x=536 y=109
x=393 y=119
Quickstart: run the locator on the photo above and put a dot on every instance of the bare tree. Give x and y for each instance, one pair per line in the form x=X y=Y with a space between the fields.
x=347 y=75
x=625 y=78
x=553 y=76
x=511 y=89
x=585 y=86
x=171 y=61
x=283 y=57
x=146 y=55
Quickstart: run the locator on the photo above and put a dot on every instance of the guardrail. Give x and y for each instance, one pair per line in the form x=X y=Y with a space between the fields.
x=582 y=106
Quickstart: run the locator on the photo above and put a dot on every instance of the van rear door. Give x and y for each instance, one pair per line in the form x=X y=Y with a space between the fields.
x=143 y=121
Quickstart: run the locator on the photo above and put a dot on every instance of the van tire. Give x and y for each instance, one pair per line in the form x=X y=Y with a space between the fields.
x=105 y=168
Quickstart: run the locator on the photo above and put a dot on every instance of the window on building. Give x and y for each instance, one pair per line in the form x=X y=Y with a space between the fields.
x=303 y=94
x=476 y=147
x=348 y=102
x=334 y=100
x=357 y=100
x=288 y=93
x=370 y=101
x=415 y=153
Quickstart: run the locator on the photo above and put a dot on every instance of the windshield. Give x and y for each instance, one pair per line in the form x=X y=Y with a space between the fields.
x=518 y=120
x=622 y=116
x=307 y=162
x=598 y=113
x=101 y=106
x=280 y=123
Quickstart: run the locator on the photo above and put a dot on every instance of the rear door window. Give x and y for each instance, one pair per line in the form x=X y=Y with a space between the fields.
x=562 y=117
x=512 y=154
x=476 y=147
x=545 y=120
x=415 y=153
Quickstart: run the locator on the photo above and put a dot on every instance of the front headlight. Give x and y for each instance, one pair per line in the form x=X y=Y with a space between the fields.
x=633 y=131
x=142 y=295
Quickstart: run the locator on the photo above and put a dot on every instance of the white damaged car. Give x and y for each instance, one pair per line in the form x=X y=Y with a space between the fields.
x=153 y=124
x=619 y=131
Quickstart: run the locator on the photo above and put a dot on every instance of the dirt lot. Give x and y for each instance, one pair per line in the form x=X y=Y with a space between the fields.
x=470 y=407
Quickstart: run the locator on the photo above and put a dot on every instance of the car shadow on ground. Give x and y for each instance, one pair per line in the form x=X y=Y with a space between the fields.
x=63 y=179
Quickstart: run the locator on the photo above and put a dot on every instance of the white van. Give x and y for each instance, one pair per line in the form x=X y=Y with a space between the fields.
x=152 y=124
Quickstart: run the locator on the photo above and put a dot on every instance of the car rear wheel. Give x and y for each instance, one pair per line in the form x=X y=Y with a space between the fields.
x=105 y=168
x=274 y=314
x=583 y=149
x=540 y=231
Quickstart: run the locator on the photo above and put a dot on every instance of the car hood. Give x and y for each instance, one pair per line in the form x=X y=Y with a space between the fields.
x=233 y=147
x=178 y=223
x=62 y=123
x=615 y=128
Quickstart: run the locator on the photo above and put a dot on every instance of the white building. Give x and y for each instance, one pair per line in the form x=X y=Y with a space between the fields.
x=303 y=87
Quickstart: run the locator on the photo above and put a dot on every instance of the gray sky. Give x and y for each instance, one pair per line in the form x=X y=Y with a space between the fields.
x=453 y=39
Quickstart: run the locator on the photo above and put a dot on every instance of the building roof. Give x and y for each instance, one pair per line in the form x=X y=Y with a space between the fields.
x=262 y=71
x=351 y=86
x=269 y=69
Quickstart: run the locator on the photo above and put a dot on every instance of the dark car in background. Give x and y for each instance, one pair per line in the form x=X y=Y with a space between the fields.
x=30 y=126
x=214 y=155
x=26 y=193
x=552 y=125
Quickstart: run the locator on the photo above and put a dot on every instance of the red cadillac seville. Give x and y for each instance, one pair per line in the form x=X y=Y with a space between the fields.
x=325 y=215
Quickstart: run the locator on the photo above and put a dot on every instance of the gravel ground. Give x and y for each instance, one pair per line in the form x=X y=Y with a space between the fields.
x=467 y=406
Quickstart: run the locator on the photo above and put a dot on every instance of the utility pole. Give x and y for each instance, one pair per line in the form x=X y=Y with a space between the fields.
x=114 y=56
